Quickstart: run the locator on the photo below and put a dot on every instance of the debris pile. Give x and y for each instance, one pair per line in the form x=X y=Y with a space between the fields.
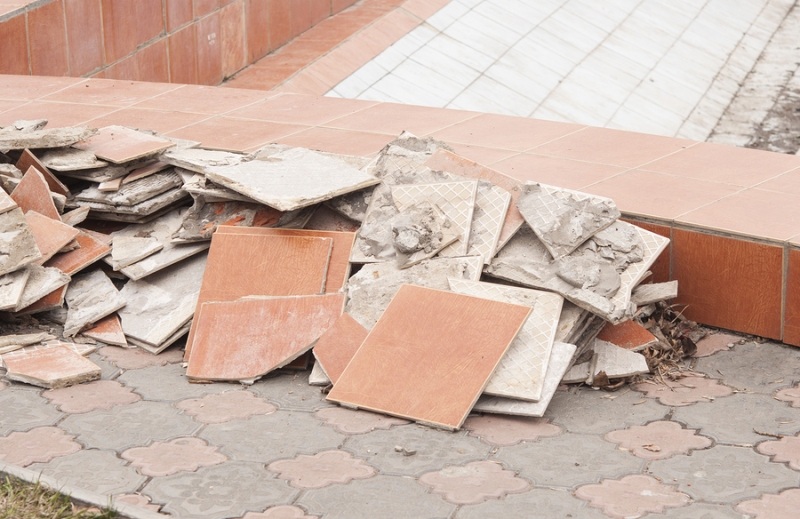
x=424 y=285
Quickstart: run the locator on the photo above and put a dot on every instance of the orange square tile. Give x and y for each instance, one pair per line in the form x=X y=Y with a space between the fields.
x=182 y=56
x=791 y=319
x=50 y=235
x=505 y=132
x=203 y=7
x=393 y=119
x=247 y=339
x=119 y=145
x=152 y=63
x=754 y=212
x=613 y=147
x=429 y=356
x=92 y=249
x=209 y=50
x=300 y=16
x=659 y=196
x=729 y=283
x=33 y=194
x=232 y=38
x=58 y=114
x=337 y=346
x=14 y=58
x=784 y=183
x=729 y=164
x=257 y=19
x=108 y=330
x=338 y=141
x=157 y=120
x=120 y=34
x=204 y=100
x=109 y=92
x=84 y=35
x=28 y=160
x=301 y=109
x=238 y=135
x=629 y=335
x=320 y=9
x=179 y=13
x=280 y=22
x=48 y=40
x=54 y=299
x=27 y=88
x=53 y=367
x=661 y=268
x=571 y=174
x=305 y=82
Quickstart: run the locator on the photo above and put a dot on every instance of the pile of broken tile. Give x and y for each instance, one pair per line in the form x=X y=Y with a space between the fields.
x=417 y=284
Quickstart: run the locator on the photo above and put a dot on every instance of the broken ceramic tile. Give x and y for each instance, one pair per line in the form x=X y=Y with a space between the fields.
x=90 y=297
x=28 y=160
x=246 y=339
x=317 y=377
x=618 y=362
x=10 y=343
x=419 y=232
x=560 y=359
x=629 y=335
x=126 y=213
x=578 y=374
x=38 y=139
x=10 y=170
x=491 y=207
x=337 y=345
x=41 y=282
x=91 y=250
x=75 y=216
x=202 y=219
x=146 y=170
x=326 y=219
x=119 y=145
x=107 y=330
x=169 y=341
x=51 y=368
x=570 y=322
x=11 y=287
x=654 y=292
x=71 y=159
x=199 y=186
x=23 y=125
x=17 y=243
x=429 y=356
x=33 y=194
x=522 y=369
x=127 y=250
x=50 y=235
x=134 y=192
x=99 y=175
x=200 y=160
x=564 y=219
x=370 y=290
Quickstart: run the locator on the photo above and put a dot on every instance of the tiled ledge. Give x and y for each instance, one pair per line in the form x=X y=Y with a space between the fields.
x=732 y=213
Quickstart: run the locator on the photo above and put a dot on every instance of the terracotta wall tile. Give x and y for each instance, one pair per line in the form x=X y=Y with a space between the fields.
x=791 y=319
x=14 y=58
x=179 y=13
x=48 y=40
x=320 y=9
x=84 y=35
x=152 y=63
x=730 y=283
x=340 y=5
x=232 y=37
x=121 y=35
x=280 y=23
x=203 y=7
x=257 y=28
x=123 y=69
x=209 y=50
x=300 y=16
x=661 y=267
x=182 y=56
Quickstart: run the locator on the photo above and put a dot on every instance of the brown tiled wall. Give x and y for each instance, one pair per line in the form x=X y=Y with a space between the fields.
x=177 y=41
x=791 y=319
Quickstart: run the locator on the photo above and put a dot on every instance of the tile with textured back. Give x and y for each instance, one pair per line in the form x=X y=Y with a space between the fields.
x=145 y=171
x=246 y=339
x=155 y=350
x=91 y=250
x=455 y=199
x=654 y=292
x=51 y=368
x=560 y=359
x=338 y=344
x=450 y=162
x=33 y=194
x=17 y=243
x=42 y=281
x=51 y=235
x=127 y=250
x=265 y=265
x=119 y=144
x=429 y=356
x=161 y=304
x=28 y=160
x=90 y=297
x=491 y=207
x=291 y=179
x=138 y=213
x=629 y=335
x=69 y=159
x=11 y=287
x=108 y=330
x=522 y=369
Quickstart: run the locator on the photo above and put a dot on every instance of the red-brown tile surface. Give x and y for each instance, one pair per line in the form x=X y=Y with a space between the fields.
x=339 y=5
x=784 y=183
x=58 y=114
x=301 y=109
x=229 y=134
x=393 y=119
x=791 y=318
x=257 y=19
x=482 y=155
x=182 y=56
x=251 y=337
x=209 y=50
x=280 y=22
x=124 y=69
x=429 y=356
x=48 y=40
x=571 y=174
x=52 y=300
x=84 y=35
x=614 y=147
x=204 y=100
x=108 y=330
x=26 y=88
x=320 y=9
x=118 y=144
x=109 y=92
x=53 y=367
x=74 y=261
x=232 y=37
x=50 y=235
x=300 y=17
x=156 y=120
x=336 y=347
x=338 y=141
x=203 y=7
x=661 y=267
x=179 y=13
x=28 y=159
x=14 y=58
x=152 y=63
x=32 y=194
x=729 y=283
x=629 y=335
x=729 y=164
x=754 y=212
x=122 y=36
x=243 y=265
x=261 y=78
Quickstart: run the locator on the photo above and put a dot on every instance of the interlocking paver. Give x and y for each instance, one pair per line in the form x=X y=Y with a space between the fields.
x=632 y=496
x=658 y=440
x=280 y=512
x=138 y=500
x=231 y=405
x=108 y=370
x=178 y=455
x=351 y=421
x=37 y=445
x=770 y=366
x=786 y=450
x=95 y=470
x=322 y=469
x=474 y=482
x=712 y=343
x=168 y=383
x=82 y=398
x=537 y=503
x=684 y=391
x=702 y=511
x=24 y=409
x=770 y=506
x=789 y=394
x=500 y=430
x=290 y=390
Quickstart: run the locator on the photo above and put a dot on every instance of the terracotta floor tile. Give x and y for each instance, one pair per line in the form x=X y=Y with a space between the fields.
x=108 y=331
x=244 y=265
x=28 y=159
x=395 y=118
x=784 y=183
x=613 y=147
x=246 y=339
x=261 y=78
x=571 y=174
x=50 y=235
x=58 y=114
x=506 y=132
x=661 y=196
x=722 y=278
x=237 y=135
x=28 y=88
x=482 y=155
x=338 y=344
x=52 y=368
x=429 y=356
x=338 y=141
x=629 y=335
x=33 y=194
x=729 y=164
x=74 y=261
x=204 y=100
x=147 y=119
x=110 y=92
x=119 y=145
x=301 y=109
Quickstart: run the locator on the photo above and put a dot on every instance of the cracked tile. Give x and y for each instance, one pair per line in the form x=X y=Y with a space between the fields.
x=135 y=358
x=684 y=391
x=351 y=421
x=474 y=482
x=500 y=430
x=231 y=405
x=38 y=445
x=178 y=455
x=632 y=496
x=786 y=450
x=773 y=506
x=95 y=470
x=322 y=469
x=658 y=440
x=100 y=394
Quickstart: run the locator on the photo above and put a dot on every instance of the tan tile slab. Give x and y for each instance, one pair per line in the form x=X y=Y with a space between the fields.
x=42 y=283
x=52 y=368
x=18 y=247
x=90 y=298
x=51 y=301
x=11 y=287
x=145 y=171
x=33 y=194
x=429 y=356
x=108 y=331
x=241 y=265
x=28 y=160
x=118 y=144
x=246 y=339
x=6 y=202
x=50 y=235
x=91 y=249
x=336 y=347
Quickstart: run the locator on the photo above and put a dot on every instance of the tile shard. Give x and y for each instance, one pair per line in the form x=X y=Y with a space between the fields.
x=41 y=282
x=91 y=250
x=51 y=235
x=336 y=347
x=51 y=368
x=11 y=288
x=654 y=293
x=7 y=342
x=33 y=194
x=135 y=192
x=71 y=159
x=120 y=145
x=17 y=244
x=628 y=335
x=107 y=330
x=127 y=250
x=90 y=297
x=47 y=138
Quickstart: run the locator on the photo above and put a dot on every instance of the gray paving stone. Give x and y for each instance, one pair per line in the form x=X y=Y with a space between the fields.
x=539 y=503
x=733 y=419
x=125 y=426
x=596 y=412
x=22 y=409
x=108 y=371
x=96 y=470
x=265 y=438
x=702 y=511
x=769 y=367
x=381 y=497
x=290 y=390
x=222 y=491
x=569 y=460
x=168 y=383
x=724 y=474
x=435 y=449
